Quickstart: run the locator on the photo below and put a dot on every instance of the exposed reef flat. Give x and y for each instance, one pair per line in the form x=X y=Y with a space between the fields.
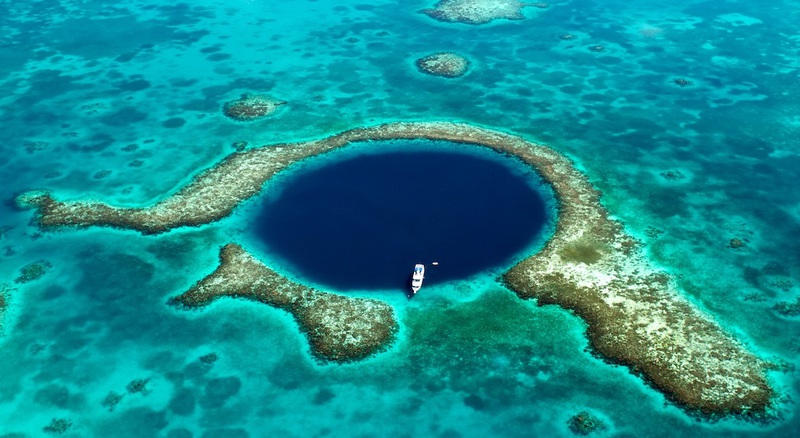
x=444 y=64
x=476 y=11
x=251 y=107
x=339 y=328
x=635 y=314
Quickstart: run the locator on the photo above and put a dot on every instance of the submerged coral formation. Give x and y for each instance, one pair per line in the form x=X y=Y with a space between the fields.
x=339 y=328
x=444 y=64
x=209 y=359
x=5 y=293
x=33 y=271
x=584 y=423
x=111 y=400
x=788 y=308
x=137 y=386
x=58 y=426
x=476 y=11
x=251 y=107
x=635 y=314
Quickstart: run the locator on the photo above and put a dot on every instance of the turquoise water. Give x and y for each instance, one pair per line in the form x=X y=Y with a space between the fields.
x=122 y=103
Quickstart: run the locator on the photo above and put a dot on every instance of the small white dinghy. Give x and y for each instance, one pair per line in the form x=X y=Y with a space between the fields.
x=417 y=277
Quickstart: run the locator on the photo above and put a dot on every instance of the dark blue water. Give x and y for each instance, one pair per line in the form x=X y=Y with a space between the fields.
x=364 y=221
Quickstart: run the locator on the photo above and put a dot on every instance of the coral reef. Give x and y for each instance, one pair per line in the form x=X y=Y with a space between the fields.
x=251 y=107
x=444 y=64
x=35 y=146
x=102 y=174
x=653 y=232
x=137 y=386
x=737 y=243
x=209 y=358
x=786 y=308
x=112 y=400
x=476 y=11
x=635 y=314
x=672 y=175
x=33 y=271
x=5 y=295
x=58 y=426
x=584 y=423
x=339 y=328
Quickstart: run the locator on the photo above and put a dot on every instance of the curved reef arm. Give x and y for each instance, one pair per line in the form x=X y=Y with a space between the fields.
x=339 y=328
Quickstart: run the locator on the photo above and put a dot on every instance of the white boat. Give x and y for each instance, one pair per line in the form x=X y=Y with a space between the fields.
x=417 y=277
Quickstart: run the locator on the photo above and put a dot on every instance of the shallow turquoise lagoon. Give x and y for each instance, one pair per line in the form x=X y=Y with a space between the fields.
x=122 y=102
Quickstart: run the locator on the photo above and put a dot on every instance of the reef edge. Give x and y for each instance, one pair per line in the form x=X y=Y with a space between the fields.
x=339 y=328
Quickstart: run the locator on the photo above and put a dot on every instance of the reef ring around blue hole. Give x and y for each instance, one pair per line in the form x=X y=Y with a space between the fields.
x=361 y=217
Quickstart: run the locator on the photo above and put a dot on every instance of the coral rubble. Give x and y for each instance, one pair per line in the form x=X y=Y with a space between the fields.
x=251 y=107
x=444 y=64
x=635 y=314
x=476 y=11
x=339 y=328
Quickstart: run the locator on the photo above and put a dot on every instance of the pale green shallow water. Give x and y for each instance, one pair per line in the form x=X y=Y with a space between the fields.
x=471 y=360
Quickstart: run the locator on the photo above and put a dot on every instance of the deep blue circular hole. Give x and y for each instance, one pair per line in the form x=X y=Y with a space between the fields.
x=361 y=221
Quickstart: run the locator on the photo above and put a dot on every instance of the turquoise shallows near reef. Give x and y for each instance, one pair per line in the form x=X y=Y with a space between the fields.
x=635 y=314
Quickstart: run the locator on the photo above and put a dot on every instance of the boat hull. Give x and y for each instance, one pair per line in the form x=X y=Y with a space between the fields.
x=417 y=277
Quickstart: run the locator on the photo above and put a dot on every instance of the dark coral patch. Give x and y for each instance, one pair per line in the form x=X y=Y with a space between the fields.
x=124 y=116
x=584 y=423
x=33 y=271
x=218 y=57
x=175 y=122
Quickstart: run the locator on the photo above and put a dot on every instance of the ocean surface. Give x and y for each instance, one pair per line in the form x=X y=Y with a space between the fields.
x=122 y=102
